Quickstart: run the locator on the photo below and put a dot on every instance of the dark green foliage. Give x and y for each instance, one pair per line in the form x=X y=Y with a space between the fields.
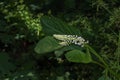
x=5 y=65
x=27 y=28
x=52 y=25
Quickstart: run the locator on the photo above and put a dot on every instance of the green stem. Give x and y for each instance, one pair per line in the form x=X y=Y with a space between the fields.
x=101 y=59
x=98 y=56
x=95 y=62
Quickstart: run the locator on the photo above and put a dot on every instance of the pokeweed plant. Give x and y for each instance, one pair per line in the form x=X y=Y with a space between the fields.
x=64 y=39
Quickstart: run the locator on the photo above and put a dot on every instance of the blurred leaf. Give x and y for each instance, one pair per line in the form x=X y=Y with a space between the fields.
x=2 y=25
x=104 y=78
x=6 y=38
x=69 y=4
x=78 y=56
x=5 y=65
x=24 y=75
x=60 y=78
x=52 y=25
x=47 y=44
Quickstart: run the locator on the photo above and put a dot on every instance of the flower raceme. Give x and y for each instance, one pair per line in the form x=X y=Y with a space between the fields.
x=70 y=39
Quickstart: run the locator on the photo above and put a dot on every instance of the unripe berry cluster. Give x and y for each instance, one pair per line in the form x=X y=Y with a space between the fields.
x=32 y=23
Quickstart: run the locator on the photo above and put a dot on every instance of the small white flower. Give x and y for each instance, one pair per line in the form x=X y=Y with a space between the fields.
x=60 y=37
x=63 y=43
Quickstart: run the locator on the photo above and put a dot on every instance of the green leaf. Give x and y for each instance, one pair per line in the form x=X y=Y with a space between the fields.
x=61 y=51
x=78 y=56
x=52 y=25
x=47 y=44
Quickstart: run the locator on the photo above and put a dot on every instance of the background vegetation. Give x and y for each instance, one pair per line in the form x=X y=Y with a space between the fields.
x=28 y=50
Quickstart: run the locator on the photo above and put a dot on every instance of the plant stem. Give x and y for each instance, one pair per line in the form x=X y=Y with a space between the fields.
x=95 y=62
x=101 y=59
x=96 y=54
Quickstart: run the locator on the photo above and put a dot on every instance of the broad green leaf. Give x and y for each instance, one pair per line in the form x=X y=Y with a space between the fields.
x=52 y=25
x=47 y=44
x=78 y=56
x=61 y=51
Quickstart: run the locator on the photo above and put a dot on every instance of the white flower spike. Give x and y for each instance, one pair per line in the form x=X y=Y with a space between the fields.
x=70 y=39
